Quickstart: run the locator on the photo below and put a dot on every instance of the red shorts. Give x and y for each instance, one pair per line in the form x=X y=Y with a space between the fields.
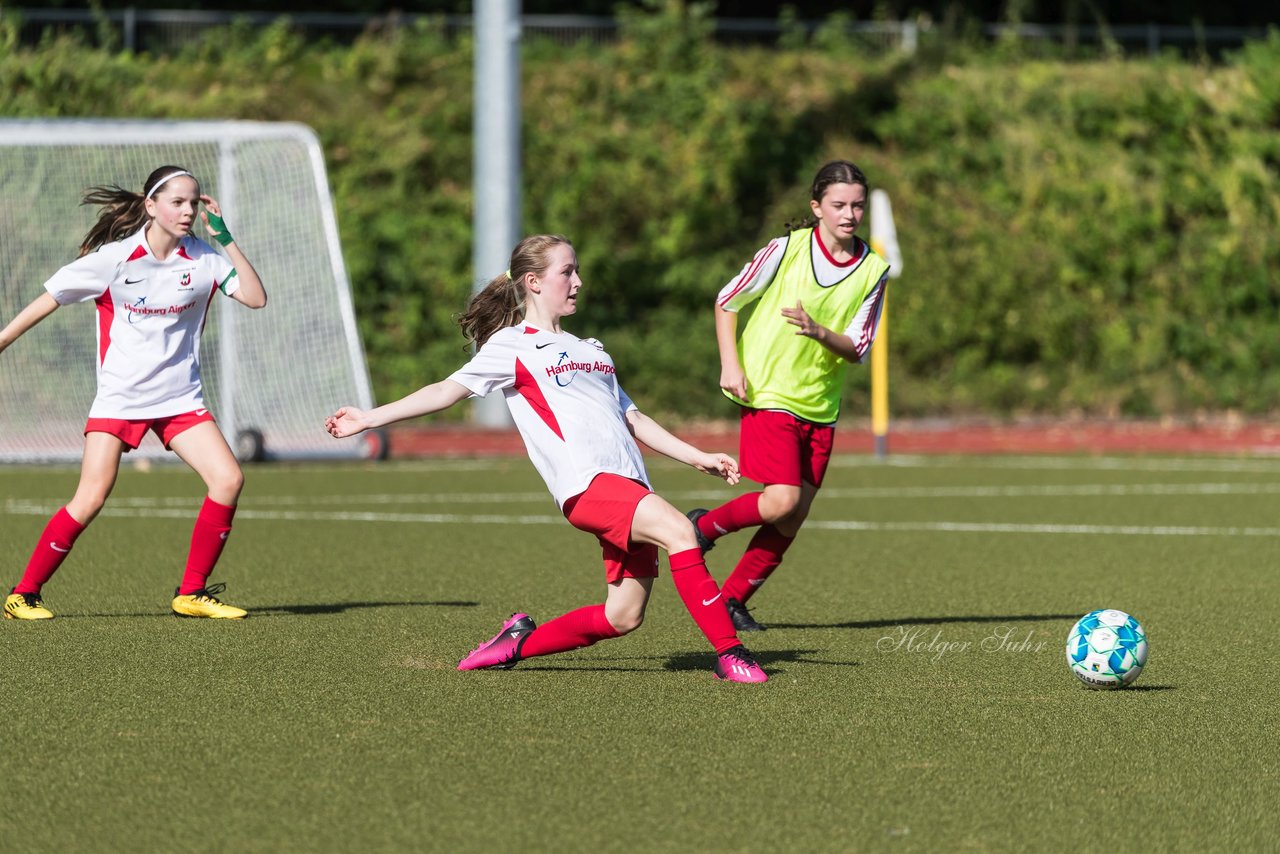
x=777 y=447
x=131 y=432
x=606 y=509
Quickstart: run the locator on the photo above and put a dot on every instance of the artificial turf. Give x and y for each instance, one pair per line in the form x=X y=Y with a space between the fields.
x=919 y=698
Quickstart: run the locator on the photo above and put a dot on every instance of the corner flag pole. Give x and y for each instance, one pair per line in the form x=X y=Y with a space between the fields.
x=884 y=240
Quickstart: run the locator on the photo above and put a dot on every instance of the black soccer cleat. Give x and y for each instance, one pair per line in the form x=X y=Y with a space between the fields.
x=741 y=616
x=703 y=543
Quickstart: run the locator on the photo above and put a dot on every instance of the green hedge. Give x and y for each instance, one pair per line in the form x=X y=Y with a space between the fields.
x=1093 y=237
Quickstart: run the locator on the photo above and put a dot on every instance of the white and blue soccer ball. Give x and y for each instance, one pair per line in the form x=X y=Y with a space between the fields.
x=1107 y=649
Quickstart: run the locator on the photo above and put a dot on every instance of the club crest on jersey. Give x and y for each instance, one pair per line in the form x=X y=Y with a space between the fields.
x=186 y=280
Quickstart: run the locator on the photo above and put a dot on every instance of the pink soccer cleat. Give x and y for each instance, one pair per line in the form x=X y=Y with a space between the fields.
x=502 y=651
x=738 y=665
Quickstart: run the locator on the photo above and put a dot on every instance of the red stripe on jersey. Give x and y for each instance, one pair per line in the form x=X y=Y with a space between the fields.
x=529 y=330
x=868 y=333
x=140 y=252
x=106 y=314
x=751 y=271
x=527 y=386
x=208 y=303
x=182 y=252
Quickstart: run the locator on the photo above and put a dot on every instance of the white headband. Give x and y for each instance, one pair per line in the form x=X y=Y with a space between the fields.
x=166 y=179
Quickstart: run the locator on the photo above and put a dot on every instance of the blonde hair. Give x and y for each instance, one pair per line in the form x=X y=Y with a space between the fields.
x=501 y=302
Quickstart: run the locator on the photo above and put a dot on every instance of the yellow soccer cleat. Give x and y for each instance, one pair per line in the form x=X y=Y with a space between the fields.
x=26 y=606
x=205 y=603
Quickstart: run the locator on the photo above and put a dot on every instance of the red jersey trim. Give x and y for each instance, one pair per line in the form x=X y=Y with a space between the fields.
x=209 y=302
x=868 y=333
x=106 y=314
x=751 y=271
x=860 y=251
x=139 y=252
x=527 y=387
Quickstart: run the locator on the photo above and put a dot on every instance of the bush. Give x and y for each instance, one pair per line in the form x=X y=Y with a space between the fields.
x=1094 y=237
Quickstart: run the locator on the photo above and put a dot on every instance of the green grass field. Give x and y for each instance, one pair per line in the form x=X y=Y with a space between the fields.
x=918 y=697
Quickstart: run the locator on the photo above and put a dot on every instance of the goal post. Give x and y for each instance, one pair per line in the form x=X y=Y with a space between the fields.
x=270 y=377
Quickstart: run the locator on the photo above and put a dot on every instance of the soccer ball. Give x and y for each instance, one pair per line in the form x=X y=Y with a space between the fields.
x=1107 y=649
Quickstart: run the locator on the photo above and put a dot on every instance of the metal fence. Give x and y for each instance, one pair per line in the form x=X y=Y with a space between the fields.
x=166 y=30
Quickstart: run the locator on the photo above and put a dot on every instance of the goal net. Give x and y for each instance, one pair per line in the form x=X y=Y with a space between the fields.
x=270 y=377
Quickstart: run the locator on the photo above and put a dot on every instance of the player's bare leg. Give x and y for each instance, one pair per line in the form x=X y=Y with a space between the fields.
x=625 y=603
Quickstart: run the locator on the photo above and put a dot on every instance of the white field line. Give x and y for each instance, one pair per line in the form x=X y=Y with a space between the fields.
x=1036 y=463
x=1012 y=528
x=913 y=492
x=18 y=507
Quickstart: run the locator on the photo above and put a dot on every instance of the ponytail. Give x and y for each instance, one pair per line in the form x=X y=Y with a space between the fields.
x=501 y=302
x=123 y=213
x=498 y=305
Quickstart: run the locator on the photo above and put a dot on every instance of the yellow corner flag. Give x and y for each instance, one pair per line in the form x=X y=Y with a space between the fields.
x=884 y=240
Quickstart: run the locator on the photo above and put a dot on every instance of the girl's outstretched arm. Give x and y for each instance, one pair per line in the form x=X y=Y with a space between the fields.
x=349 y=420
x=656 y=436
x=39 y=308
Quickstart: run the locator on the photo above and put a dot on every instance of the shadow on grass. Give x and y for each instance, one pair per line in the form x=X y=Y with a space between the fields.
x=535 y=666
x=340 y=607
x=1129 y=689
x=291 y=610
x=681 y=662
x=925 y=621
x=767 y=659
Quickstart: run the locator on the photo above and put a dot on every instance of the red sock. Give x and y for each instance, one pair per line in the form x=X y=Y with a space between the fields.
x=701 y=596
x=762 y=557
x=51 y=550
x=741 y=512
x=573 y=630
x=209 y=537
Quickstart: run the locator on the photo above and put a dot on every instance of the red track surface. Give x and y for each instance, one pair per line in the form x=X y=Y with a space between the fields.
x=1221 y=436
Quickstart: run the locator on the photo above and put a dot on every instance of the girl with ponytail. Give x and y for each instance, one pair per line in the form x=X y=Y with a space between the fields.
x=152 y=282
x=580 y=430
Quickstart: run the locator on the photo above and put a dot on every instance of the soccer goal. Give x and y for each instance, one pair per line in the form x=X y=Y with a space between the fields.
x=270 y=377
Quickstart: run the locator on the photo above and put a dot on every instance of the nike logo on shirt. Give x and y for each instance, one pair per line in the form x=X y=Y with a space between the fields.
x=132 y=281
x=540 y=346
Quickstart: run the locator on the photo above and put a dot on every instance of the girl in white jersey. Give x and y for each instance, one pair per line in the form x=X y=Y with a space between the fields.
x=579 y=428
x=152 y=282
x=817 y=293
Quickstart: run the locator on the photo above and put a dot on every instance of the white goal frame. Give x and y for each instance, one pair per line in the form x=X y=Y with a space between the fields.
x=270 y=376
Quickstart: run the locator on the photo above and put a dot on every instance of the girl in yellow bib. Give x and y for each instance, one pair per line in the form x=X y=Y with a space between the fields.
x=815 y=295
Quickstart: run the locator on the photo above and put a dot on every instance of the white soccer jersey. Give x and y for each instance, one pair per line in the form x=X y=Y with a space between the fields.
x=566 y=402
x=151 y=313
x=755 y=278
